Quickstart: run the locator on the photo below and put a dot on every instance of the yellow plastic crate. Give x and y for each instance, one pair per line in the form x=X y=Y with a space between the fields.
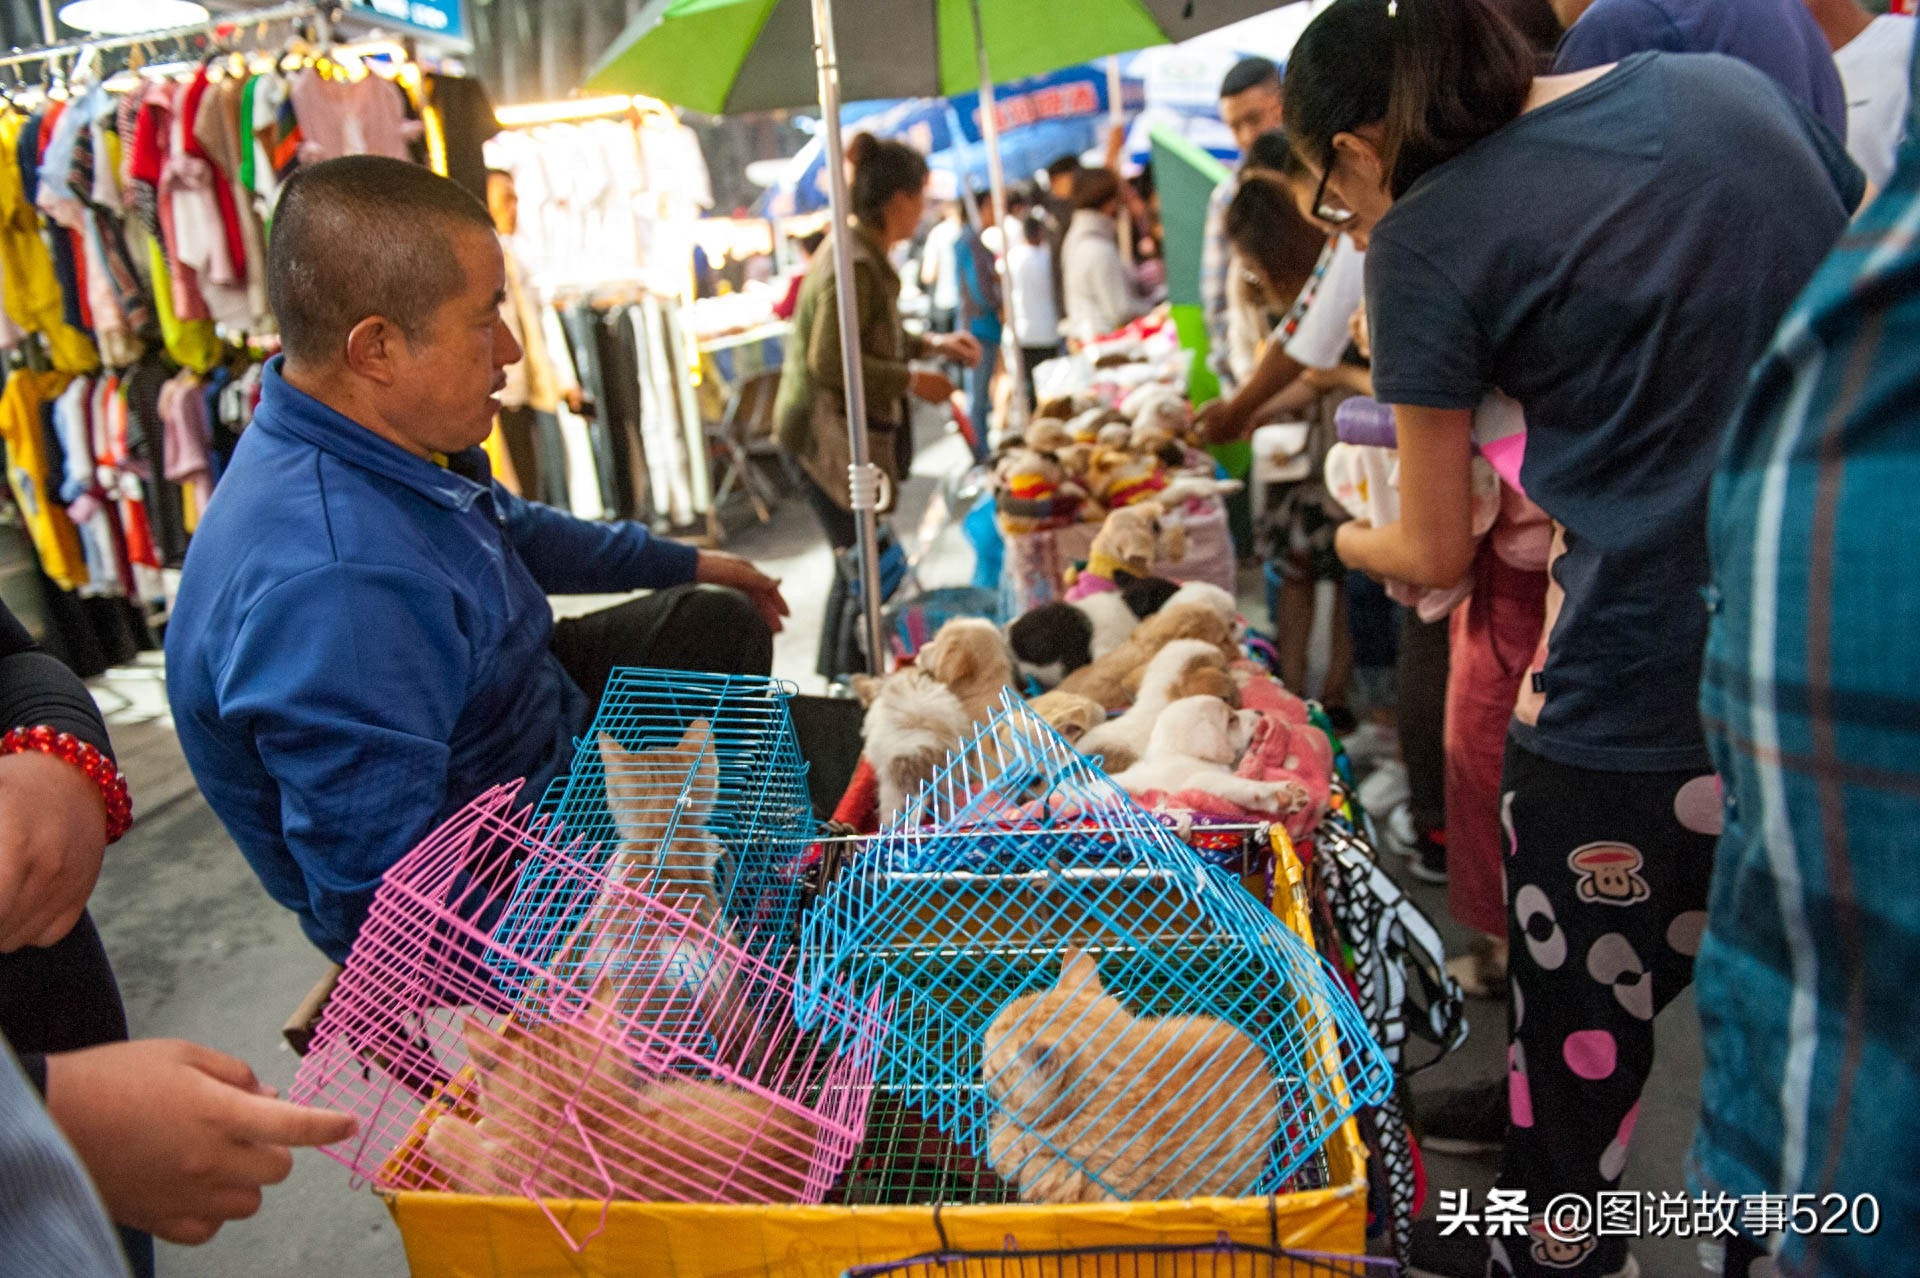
x=465 y=1236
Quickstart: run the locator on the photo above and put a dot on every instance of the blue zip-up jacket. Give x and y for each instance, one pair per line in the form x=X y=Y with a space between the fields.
x=361 y=645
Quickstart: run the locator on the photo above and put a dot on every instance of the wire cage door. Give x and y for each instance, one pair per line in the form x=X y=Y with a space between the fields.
x=625 y=1051
x=698 y=780
x=1219 y=1260
x=1078 y=998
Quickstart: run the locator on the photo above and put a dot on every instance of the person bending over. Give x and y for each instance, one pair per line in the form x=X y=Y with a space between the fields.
x=362 y=640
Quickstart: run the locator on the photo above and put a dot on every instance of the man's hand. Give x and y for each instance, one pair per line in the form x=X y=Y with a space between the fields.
x=718 y=568
x=53 y=830
x=574 y=398
x=179 y=1138
x=961 y=348
x=930 y=385
x=1221 y=421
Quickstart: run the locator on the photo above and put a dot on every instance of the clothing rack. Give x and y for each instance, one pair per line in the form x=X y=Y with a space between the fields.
x=325 y=14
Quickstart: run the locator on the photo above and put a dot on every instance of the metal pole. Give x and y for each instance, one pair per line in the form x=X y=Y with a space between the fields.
x=48 y=32
x=863 y=477
x=990 y=133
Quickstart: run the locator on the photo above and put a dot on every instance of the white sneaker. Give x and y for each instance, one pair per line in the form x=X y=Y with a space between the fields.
x=1370 y=743
x=1400 y=832
x=1385 y=789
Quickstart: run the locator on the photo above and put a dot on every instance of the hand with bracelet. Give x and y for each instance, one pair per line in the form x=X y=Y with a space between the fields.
x=61 y=803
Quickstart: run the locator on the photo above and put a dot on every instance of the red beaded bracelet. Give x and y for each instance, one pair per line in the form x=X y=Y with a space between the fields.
x=101 y=770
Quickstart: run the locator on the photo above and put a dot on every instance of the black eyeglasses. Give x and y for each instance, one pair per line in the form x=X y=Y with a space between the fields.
x=1321 y=210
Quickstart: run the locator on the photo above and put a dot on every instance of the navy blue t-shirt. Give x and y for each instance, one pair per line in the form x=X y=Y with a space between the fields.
x=1616 y=261
x=1777 y=36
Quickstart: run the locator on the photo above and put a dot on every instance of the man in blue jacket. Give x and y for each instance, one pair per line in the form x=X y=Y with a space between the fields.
x=362 y=640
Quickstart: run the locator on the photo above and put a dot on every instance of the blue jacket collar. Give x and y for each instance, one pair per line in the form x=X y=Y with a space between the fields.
x=287 y=410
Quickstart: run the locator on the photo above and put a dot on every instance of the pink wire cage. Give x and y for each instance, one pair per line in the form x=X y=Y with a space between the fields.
x=603 y=1046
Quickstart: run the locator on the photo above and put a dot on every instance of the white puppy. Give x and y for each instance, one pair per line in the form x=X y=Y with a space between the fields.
x=913 y=723
x=1215 y=598
x=1184 y=668
x=1194 y=746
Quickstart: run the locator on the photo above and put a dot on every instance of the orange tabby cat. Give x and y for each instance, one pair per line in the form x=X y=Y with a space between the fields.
x=671 y=1139
x=1157 y=1108
x=660 y=800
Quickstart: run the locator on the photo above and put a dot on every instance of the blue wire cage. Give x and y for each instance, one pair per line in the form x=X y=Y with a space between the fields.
x=1078 y=997
x=692 y=787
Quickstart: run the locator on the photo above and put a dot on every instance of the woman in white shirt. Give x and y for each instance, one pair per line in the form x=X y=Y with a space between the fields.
x=1036 y=312
x=1101 y=294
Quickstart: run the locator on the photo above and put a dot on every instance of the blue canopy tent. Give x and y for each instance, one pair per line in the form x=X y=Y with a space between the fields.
x=1041 y=119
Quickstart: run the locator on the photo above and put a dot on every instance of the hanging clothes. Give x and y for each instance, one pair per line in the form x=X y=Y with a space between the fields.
x=79 y=491
x=31 y=475
x=367 y=116
x=217 y=133
x=29 y=288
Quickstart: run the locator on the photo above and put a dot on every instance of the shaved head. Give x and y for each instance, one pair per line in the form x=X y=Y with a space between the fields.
x=364 y=236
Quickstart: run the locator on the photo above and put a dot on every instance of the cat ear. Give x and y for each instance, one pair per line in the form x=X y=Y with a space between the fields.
x=698 y=735
x=614 y=758
x=1080 y=973
x=485 y=1048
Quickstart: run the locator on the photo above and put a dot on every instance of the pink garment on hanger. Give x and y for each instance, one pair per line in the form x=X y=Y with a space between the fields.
x=157 y=120
x=183 y=442
x=350 y=117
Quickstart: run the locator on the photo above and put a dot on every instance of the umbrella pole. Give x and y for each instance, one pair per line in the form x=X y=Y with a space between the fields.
x=996 y=176
x=863 y=477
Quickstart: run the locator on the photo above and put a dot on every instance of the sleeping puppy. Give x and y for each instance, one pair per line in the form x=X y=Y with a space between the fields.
x=970 y=656
x=1184 y=668
x=1219 y=600
x=1070 y=716
x=1112 y=679
x=1194 y=746
x=1056 y=639
x=913 y=723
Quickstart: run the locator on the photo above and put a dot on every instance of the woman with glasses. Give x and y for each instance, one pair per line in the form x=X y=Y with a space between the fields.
x=1613 y=249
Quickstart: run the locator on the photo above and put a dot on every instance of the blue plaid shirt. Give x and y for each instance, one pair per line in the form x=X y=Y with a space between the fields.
x=1809 y=974
x=1216 y=258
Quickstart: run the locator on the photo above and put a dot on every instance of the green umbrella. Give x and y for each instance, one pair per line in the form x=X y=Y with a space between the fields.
x=733 y=56
x=729 y=56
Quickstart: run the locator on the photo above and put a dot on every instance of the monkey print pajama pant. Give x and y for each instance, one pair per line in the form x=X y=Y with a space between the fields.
x=1607 y=876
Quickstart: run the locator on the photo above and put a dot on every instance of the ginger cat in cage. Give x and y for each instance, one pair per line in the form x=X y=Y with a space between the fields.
x=1156 y=1107
x=558 y=1101
x=677 y=973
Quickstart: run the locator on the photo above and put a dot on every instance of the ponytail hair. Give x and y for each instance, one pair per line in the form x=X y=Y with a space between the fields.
x=1266 y=227
x=882 y=170
x=1436 y=75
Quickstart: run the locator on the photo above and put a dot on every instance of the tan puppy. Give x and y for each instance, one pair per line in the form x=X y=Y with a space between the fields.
x=1184 y=668
x=1069 y=715
x=1111 y=680
x=1135 y=540
x=971 y=657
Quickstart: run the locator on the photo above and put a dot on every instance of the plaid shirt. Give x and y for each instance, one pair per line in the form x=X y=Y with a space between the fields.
x=1808 y=979
x=1216 y=259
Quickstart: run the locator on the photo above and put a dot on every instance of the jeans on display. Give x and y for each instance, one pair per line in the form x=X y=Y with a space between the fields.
x=581 y=324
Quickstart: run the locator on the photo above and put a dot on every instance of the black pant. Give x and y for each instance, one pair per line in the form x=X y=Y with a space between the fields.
x=1606 y=901
x=706 y=628
x=60 y=999
x=1420 y=688
x=1031 y=357
x=840 y=651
